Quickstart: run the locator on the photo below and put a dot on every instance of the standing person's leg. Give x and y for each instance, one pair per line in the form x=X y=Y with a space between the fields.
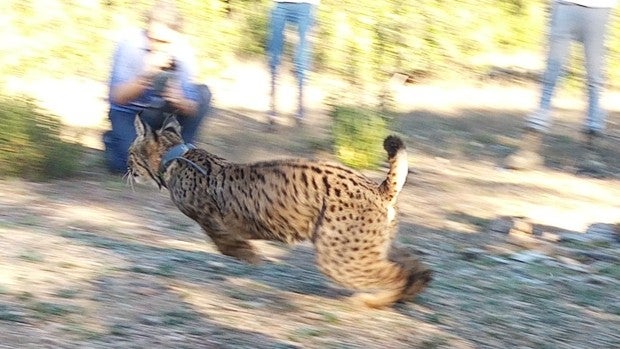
x=303 y=53
x=275 y=45
x=594 y=30
x=560 y=38
x=594 y=26
x=190 y=125
x=118 y=140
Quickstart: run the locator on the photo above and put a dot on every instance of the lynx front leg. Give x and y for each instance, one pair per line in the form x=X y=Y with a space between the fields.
x=230 y=244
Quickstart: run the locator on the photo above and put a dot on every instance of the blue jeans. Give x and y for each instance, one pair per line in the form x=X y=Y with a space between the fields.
x=300 y=14
x=587 y=25
x=118 y=140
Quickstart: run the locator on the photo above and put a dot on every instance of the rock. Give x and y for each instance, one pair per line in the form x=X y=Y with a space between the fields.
x=572 y=264
x=217 y=265
x=149 y=320
x=502 y=249
x=522 y=225
x=577 y=237
x=524 y=160
x=600 y=280
x=523 y=239
x=471 y=253
x=506 y=224
x=499 y=260
x=13 y=315
x=550 y=237
x=598 y=232
x=501 y=225
x=599 y=256
x=528 y=256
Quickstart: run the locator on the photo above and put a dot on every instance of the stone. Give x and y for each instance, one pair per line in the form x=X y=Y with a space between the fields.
x=550 y=237
x=598 y=232
x=150 y=320
x=217 y=265
x=520 y=238
x=471 y=253
x=501 y=225
x=522 y=225
x=600 y=280
x=499 y=260
x=601 y=232
x=599 y=256
x=524 y=160
x=528 y=256
x=572 y=264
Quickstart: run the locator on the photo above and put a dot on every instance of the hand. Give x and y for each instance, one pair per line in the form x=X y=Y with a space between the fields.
x=173 y=93
x=155 y=62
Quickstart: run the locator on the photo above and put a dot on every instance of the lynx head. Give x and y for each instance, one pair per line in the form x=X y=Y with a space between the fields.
x=147 y=150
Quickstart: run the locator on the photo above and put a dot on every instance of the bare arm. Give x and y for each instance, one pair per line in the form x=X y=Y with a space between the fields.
x=174 y=95
x=126 y=92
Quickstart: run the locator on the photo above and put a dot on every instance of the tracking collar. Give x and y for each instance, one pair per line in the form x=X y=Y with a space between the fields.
x=174 y=153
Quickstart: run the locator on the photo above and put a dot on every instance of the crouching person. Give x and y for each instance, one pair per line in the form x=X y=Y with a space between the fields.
x=151 y=74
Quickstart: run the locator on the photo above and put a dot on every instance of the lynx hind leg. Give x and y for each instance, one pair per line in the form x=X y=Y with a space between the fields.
x=363 y=267
x=419 y=274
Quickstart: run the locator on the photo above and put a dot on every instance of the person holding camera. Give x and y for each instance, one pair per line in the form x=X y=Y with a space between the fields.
x=151 y=74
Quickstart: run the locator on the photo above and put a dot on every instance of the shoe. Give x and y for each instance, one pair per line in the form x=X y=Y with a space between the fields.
x=528 y=156
x=591 y=137
x=299 y=117
x=272 y=125
x=299 y=122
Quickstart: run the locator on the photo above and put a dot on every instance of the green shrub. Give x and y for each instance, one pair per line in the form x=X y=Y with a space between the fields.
x=358 y=136
x=30 y=143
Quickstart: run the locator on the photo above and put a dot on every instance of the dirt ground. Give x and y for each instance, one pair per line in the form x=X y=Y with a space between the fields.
x=91 y=263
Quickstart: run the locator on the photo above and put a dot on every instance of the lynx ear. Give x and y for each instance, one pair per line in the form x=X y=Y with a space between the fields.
x=142 y=128
x=172 y=124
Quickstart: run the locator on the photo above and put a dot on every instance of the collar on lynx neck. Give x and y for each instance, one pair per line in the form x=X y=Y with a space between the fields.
x=172 y=154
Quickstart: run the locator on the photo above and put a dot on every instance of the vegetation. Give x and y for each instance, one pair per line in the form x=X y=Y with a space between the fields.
x=358 y=136
x=30 y=143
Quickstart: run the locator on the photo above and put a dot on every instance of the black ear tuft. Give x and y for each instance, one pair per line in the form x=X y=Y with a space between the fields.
x=142 y=128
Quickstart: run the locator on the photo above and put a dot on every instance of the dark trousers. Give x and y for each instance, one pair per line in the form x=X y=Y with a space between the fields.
x=118 y=140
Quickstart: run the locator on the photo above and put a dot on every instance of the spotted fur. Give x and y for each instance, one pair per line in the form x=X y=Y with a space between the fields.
x=350 y=219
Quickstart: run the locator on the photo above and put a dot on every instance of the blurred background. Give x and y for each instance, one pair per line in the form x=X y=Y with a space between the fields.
x=55 y=54
x=360 y=41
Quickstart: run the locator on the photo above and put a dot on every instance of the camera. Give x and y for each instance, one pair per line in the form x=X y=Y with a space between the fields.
x=167 y=72
x=172 y=66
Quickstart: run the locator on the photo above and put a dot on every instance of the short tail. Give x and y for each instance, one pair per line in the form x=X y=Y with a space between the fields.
x=399 y=168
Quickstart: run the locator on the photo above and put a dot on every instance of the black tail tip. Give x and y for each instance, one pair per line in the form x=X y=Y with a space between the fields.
x=392 y=145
